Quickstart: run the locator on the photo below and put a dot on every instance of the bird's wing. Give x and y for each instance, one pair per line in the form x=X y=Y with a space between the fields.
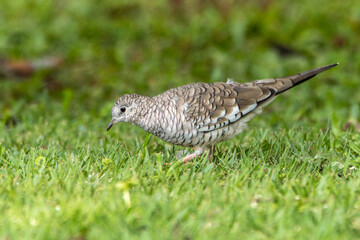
x=213 y=106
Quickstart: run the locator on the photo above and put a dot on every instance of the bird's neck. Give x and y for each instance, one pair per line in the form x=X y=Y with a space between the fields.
x=144 y=114
x=149 y=115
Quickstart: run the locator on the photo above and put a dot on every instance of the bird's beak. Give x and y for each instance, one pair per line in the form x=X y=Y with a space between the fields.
x=110 y=125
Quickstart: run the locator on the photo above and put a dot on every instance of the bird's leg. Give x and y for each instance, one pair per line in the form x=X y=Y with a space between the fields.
x=193 y=155
x=211 y=152
x=189 y=157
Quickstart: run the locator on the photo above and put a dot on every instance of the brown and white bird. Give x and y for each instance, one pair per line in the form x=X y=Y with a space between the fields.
x=200 y=115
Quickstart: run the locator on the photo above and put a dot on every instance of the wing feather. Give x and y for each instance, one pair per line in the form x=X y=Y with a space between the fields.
x=220 y=104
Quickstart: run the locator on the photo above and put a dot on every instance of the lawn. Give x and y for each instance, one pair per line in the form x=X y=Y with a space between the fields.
x=292 y=175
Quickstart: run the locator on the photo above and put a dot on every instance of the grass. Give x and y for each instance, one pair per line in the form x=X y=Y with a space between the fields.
x=292 y=175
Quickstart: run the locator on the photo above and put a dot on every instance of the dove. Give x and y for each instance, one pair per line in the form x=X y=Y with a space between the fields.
x=199 y=115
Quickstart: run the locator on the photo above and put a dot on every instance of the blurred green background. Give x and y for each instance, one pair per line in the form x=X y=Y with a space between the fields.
x=109 y=48
x=293 y=174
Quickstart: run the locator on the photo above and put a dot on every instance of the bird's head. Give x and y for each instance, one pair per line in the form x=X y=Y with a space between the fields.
x=124 y=109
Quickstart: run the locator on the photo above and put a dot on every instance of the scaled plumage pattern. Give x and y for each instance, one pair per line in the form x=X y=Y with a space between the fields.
x=200 y=115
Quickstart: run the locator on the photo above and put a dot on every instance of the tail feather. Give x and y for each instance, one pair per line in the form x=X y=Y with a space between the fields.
x=280 y=85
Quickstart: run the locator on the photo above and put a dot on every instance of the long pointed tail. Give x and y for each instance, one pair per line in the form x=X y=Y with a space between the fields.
x=280 y=85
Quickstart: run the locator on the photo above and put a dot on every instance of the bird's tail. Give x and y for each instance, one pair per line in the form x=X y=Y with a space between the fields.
x=280 y=85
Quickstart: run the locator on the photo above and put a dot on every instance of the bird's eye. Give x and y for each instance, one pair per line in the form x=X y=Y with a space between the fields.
x=122 y=109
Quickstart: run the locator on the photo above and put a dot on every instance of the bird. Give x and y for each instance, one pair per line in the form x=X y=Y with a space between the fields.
x=199 y=115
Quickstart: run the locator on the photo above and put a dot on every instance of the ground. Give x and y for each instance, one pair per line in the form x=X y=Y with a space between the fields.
x=292 y=175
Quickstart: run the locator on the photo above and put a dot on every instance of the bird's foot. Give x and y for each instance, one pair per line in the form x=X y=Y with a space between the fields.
x=185 y=159
x=190 y=157
x=209 y=152
x=198 y=152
